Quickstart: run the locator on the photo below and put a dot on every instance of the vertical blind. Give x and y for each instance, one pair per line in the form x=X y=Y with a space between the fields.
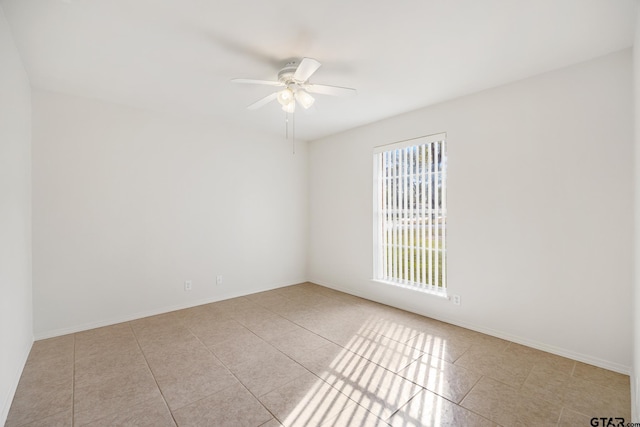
x=410 y=208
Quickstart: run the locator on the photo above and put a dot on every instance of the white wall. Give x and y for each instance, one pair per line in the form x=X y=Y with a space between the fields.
x=129 y=204
x=635 y=377
x=540 y=210
x=16 y=324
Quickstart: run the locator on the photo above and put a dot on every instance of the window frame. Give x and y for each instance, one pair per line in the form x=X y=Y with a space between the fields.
x=379 y=226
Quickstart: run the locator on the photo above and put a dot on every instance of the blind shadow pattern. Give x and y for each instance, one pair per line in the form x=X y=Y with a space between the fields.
x=365 y=372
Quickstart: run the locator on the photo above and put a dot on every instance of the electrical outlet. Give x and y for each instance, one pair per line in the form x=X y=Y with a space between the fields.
x=455 y=299
x=187 y=285
x=219 y=279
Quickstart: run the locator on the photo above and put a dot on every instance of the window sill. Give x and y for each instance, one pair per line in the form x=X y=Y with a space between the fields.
x=438 y=294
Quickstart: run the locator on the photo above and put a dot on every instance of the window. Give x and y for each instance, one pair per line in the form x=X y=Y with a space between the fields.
x=411 y=214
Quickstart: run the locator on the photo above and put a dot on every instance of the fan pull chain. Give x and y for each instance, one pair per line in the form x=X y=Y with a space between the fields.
x=293 y=129
x=286 y=125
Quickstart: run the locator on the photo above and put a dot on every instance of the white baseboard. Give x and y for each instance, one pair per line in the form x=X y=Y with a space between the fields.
x=605 y=364
x=14 y=384
x=154 y=312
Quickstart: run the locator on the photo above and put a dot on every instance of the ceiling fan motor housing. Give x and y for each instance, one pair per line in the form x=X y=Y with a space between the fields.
x=285 y=75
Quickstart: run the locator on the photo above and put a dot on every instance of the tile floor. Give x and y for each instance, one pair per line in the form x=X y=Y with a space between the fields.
x=305 y=355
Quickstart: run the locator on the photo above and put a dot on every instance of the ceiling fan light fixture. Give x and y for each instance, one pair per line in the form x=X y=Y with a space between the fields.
x=290 y=107
x=304 y=98
x=286 y=97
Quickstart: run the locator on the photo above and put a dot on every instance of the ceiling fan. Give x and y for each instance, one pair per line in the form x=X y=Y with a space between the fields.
x=294 y=79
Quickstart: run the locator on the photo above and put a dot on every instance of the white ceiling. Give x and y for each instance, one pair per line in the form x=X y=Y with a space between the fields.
x=179 y=55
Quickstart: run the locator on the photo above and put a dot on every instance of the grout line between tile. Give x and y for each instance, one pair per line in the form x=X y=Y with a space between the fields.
x=232 y=373
x=144 y=356
x=461 y=354
x=467 y=393
x=560 y=416
x=471 y=410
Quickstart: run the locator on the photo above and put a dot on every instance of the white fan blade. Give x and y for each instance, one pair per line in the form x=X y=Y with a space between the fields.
x=264 y=101
x=257 y=82
x=330 y=90
x=307 y=67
